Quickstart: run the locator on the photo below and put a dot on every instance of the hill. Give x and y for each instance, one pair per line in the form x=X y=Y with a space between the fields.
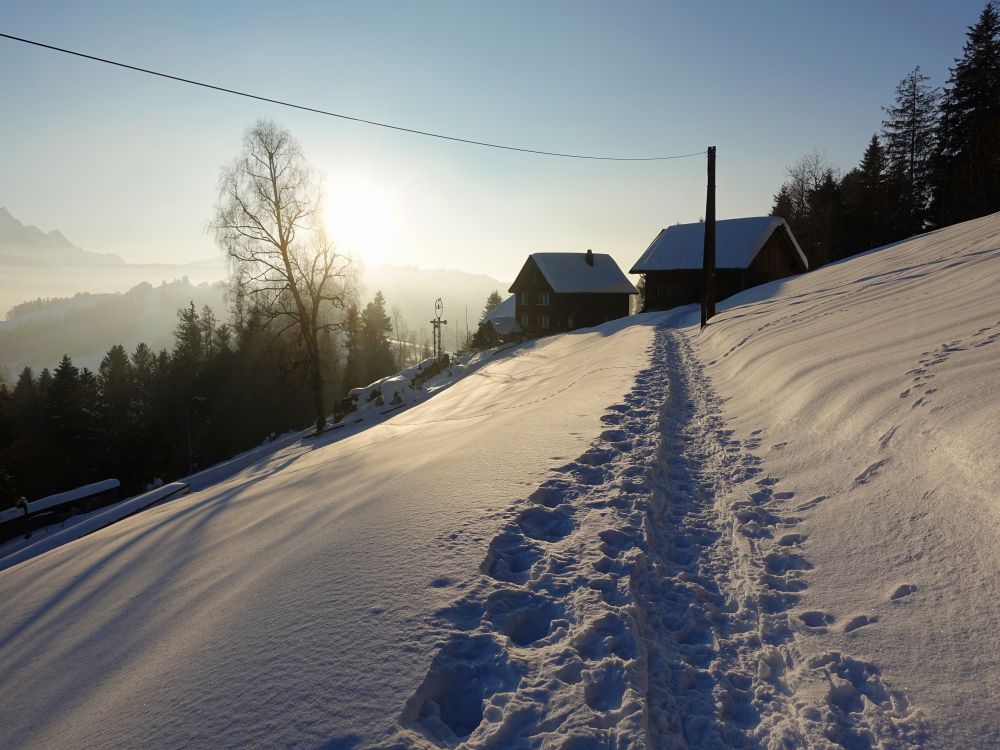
x=776 y=532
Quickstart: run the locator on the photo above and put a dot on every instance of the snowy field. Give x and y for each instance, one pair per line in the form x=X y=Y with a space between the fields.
x=780 y=532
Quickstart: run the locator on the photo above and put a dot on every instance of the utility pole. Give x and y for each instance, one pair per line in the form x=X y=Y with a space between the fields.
x=708 y=266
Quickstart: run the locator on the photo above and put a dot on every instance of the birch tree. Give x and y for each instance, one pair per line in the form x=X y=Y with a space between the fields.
x=285 y=273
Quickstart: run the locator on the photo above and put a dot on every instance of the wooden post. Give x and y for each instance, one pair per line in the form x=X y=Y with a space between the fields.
x=708 y=266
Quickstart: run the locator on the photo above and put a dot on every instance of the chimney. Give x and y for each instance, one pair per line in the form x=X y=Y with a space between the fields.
x=590 y=257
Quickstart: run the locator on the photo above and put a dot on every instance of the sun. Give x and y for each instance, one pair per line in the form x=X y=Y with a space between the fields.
x=360 y=218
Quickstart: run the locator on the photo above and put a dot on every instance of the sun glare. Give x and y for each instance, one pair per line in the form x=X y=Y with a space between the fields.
x=360 y=219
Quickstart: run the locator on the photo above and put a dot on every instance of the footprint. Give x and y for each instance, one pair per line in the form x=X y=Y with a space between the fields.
x=544 y=525
x=469 y=669
x=789 y=539
x=606 y=636
x=813 y=618
x=812 y=503
x=615 y=541
x=552 y=493
x=510 y=557
x=901 y=591
x=784 y=495
x=522 y=616
x=782 y=562
x=604 y=686
x=858 y=621
x=884 y=440
x=871 y=472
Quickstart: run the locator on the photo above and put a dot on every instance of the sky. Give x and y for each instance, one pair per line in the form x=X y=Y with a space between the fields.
x=126 y=163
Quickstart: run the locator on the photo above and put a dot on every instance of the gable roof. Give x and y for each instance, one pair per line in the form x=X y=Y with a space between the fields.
x=737 y=242
x=570 y=273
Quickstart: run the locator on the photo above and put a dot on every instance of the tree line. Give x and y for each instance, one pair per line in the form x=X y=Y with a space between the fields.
x=220 y=390
x=935 y=161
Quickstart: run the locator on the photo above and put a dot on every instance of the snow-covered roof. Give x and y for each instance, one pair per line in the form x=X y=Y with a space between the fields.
x=737 y=242
x=506 y=309
x=503 y=317
x=570 y=273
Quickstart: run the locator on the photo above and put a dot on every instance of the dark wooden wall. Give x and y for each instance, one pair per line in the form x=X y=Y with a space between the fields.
x=776 y=260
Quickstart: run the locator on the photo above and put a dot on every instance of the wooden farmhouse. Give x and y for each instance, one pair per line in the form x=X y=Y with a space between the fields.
x=563 y=291
x=748 y=252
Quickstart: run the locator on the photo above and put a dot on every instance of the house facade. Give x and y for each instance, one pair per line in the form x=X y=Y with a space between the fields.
x=749 y=251
x=556 y=292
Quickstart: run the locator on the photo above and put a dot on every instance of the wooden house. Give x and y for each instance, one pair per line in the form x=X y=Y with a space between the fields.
x=748 y=252
x=563 y=291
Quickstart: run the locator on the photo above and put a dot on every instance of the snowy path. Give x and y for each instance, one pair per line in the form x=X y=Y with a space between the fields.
x=640 y=598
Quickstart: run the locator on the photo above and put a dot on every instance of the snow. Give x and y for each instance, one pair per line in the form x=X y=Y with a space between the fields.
x=778 y=532
x=293 y=602
x=503 y=317
x=94 y=522
x=60 y=498
x=737 y=242
x=570 y=273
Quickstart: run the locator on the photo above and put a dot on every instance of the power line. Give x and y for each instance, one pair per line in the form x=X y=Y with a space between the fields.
x=338 y=115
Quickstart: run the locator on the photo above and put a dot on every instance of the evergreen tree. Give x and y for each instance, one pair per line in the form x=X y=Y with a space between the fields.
x=967 y=164
x=376 y=326
x=909 y=135
x=189 y=337
x=65 y=429
x=782 y=205
x=115 y=387
x=493 y=301
x=865 y=204
x=353 y=366
x=143 y=372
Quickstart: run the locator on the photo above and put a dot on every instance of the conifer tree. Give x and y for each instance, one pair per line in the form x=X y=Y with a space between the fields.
x=493 y=301
x=376 y=326
x=909 y=132
x=967 y=164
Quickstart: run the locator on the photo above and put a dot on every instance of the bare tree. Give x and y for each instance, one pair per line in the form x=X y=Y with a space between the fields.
x=285 y=273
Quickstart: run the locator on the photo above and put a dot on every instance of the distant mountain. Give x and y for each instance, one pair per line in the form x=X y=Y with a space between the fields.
x=27 y=245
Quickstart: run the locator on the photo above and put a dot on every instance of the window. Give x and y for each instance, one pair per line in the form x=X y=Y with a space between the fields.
x=569 y=323
x=669 y=290
x=543 y=320
x=543 y=298
x=524 y=320
x=522 y=298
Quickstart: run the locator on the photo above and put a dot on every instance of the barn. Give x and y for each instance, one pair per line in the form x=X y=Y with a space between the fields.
x=562 y=291
x=748 y=252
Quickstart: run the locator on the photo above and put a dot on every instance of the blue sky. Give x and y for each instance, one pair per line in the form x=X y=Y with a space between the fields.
x=128 y=164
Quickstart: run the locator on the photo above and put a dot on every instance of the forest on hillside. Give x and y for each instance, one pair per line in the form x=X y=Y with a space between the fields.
x=934 y=162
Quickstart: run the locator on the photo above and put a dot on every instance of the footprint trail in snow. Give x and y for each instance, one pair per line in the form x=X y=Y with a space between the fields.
x=642 y=597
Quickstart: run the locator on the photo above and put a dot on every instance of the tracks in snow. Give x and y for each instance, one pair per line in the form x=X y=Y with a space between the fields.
x=643 y=596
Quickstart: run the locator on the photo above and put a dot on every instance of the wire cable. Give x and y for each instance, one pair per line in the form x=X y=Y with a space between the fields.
x=361 y=120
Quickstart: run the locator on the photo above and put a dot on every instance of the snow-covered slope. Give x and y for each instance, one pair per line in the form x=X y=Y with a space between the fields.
x=873 y=390
x=292 y=603
x=778 y=532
